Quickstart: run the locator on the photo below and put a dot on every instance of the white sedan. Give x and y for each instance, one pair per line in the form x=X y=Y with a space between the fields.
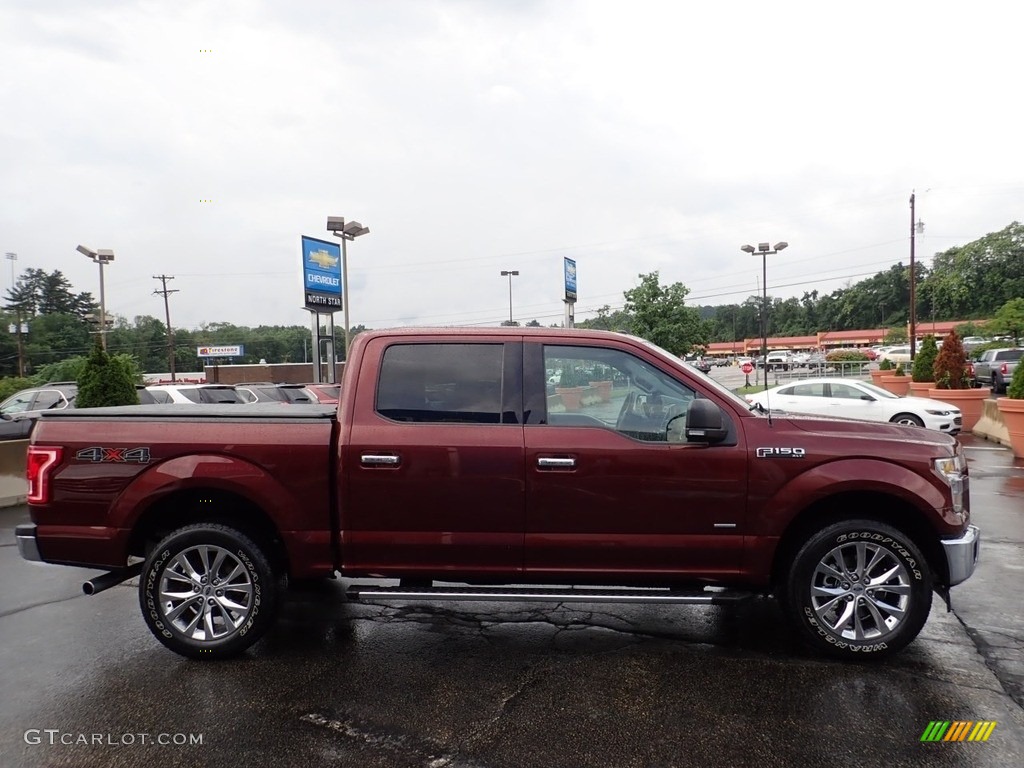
x=852 y=399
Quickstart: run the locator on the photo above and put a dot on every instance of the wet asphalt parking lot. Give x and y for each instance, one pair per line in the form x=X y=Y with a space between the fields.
x=83 y=682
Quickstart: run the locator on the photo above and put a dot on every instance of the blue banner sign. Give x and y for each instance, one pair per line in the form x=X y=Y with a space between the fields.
x=570 y=279
x=321 y=274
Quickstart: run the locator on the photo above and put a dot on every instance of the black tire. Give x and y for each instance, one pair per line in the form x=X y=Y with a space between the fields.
x=234 y=592
x=998 y=385
x=908 y=419
x=825 y=578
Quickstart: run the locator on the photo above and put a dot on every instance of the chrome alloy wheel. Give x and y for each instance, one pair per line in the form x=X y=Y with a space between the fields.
x=860 y=591
x=205 y=593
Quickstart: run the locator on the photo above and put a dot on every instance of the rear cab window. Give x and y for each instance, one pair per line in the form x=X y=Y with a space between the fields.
x=443 y=383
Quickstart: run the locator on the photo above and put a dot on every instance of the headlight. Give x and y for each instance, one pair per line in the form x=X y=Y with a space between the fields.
x=953 y=470
x=936 y=413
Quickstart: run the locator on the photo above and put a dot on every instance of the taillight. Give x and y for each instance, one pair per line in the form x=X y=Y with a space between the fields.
x=41 y=459
x=1003 y=369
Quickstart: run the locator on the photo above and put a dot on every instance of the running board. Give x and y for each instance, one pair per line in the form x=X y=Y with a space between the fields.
x=566 y=595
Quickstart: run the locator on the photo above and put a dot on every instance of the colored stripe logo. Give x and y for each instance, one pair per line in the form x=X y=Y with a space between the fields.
x=958 y=730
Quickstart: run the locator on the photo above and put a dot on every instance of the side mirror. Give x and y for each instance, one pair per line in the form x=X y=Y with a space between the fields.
x=869 y=398
x=704 y=423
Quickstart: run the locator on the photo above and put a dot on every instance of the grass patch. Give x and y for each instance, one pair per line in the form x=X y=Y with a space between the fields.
x=750 y=390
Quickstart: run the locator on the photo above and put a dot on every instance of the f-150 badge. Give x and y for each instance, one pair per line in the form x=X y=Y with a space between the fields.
x=781 y=453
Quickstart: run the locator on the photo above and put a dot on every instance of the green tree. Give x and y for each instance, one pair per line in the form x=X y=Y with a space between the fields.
x=924 y=360
x=13 y=384
x=68 y=369
x=106 y=380
x=661 y=316
x=1009 y=319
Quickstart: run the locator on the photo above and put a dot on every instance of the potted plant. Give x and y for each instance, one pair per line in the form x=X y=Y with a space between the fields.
x=884 y=369
x=922 y=374
x=1012 y=409
x=898 y=383
x=952 y=384
x=602 y=383
x=570 y=388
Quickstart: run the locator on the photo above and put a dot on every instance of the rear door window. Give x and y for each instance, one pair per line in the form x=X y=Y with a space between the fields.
x=442 y=383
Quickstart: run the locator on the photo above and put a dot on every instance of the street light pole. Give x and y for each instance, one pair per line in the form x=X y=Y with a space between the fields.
x=336 y=225
x=510 y=273
x=101 y=257
x=765 y=250
x=918 y=228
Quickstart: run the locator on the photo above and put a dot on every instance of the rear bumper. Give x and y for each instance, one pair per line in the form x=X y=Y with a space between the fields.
x=28 y=547
x=962 y=555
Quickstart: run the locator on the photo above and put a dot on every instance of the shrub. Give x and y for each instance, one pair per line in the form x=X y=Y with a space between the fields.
x=12 y=385
x=105 y=381
x=924 y=361
x=1016 y=388
x=885 y=365
x=951 y=364
x=846 y=356
x=572 y=377
x=899 y=370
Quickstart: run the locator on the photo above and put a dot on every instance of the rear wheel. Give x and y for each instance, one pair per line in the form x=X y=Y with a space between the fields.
x=208 y=591
x=907 y=419
x=858 y=588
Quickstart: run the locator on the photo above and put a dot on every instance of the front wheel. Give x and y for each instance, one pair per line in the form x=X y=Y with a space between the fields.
x=858 y=588
x=907 y=420
x=208 y=591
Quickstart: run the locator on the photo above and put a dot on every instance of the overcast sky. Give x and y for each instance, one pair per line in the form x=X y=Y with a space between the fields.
x=473 y=136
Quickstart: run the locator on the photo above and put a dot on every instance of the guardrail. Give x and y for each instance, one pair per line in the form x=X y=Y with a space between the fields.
x=841 y=369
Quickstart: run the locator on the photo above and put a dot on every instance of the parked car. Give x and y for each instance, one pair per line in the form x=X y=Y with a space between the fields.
x=781 y=359
x=19 y=412
x=896 y=355
x=702 y=364
x=268 y=392
x=328 y=394
x=995 y=367
x=195 y=394
x=852 y=399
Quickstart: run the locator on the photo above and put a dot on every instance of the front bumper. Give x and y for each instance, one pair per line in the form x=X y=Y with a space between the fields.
x=28 y=547
x=962 y=555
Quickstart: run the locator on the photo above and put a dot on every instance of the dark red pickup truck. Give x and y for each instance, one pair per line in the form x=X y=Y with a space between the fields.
x=454 y=458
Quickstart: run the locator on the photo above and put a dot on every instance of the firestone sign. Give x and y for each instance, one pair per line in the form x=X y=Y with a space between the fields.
x=321 y=274
x=236 y=350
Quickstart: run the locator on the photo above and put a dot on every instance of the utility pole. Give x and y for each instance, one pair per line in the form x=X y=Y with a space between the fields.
x=166 y=292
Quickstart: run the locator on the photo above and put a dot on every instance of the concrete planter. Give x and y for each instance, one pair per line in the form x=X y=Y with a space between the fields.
x=572 y=397
x=920 y=388
x=1012 y=412
x=898 y=385
x=603 y=389
x=969 y=401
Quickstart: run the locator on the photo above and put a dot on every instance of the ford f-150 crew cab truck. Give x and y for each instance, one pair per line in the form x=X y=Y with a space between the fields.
x=453 y=467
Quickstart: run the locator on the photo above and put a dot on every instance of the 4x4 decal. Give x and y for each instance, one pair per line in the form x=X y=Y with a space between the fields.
x=98 y=455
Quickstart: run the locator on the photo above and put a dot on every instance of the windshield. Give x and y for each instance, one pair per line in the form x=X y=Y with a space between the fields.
x=881 y=394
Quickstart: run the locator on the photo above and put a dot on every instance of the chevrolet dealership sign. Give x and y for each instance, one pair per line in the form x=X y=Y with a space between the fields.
x=321 y=274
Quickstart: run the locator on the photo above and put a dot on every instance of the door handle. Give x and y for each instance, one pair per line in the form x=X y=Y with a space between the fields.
x=379 y=460
x=546 y=462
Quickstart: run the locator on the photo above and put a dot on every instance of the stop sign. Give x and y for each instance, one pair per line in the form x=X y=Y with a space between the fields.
x=746 y=368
